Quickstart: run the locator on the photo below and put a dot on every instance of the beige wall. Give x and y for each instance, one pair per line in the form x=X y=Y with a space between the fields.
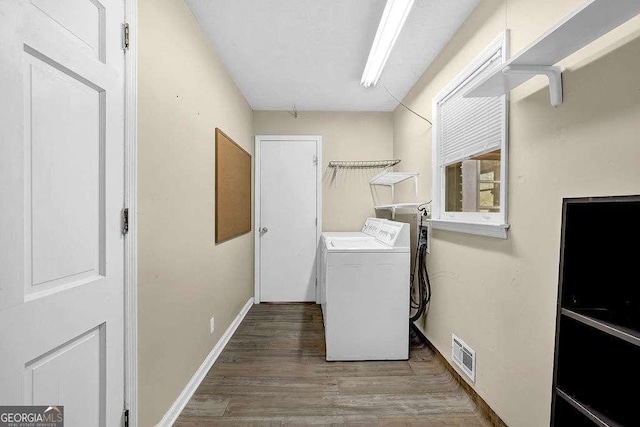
x=500 y=295
x=184 y=278
x=345 y=136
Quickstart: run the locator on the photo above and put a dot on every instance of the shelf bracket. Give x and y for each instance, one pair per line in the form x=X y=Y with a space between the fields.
x=553 y=73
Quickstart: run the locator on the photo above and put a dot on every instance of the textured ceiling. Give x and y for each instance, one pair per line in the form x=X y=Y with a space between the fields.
x=312 y=53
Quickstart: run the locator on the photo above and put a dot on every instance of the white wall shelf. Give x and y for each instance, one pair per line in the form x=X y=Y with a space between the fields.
x=394 y=207
x=390 y=179
x=586 y=24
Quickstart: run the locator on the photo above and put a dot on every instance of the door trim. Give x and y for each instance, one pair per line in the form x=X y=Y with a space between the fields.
x=130 y=202
x=258 y=141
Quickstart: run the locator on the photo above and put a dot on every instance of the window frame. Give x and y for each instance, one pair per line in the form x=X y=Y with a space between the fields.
x=485 y=224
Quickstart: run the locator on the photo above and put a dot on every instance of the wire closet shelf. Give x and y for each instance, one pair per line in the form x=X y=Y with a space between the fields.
x=362 y=164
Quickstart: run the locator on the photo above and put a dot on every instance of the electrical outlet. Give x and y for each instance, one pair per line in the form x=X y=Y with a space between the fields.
x=424 y=232
x=212 y=325
x=423 y=237
x=422 y=227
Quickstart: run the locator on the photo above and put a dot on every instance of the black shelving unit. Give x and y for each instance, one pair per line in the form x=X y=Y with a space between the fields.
x=596 y=379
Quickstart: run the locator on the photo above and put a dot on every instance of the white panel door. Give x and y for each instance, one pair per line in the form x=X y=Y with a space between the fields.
x=61 y=192
x=288 y=230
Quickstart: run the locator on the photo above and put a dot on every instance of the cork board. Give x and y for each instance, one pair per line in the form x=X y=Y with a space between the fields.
x=233 y=189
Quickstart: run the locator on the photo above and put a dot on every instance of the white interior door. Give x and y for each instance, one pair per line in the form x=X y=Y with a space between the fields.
x=288 y=229
x=61 y=192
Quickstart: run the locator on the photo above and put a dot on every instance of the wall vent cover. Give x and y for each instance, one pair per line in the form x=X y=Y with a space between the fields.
x=464 y=357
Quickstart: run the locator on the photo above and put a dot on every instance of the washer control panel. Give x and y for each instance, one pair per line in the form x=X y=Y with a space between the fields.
x=387 y=232
x=372 y=226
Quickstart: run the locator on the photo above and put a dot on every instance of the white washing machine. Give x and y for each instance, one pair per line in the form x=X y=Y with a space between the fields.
x=364 y=292
x=371 y=225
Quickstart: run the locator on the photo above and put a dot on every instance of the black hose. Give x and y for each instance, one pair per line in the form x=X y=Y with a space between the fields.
x=423 y=283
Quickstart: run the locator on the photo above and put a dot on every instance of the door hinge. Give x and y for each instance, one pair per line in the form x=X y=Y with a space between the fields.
x=125 y=418
x=125 y=36
x=315 y=160
x=316 y=221
x=125 y=221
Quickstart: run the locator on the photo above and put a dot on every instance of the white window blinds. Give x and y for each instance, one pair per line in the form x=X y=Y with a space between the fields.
x=470 y=126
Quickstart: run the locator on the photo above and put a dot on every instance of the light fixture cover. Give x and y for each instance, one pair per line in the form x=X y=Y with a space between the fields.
x=393 y=18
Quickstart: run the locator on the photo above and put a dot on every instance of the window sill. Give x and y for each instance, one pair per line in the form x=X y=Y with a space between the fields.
x=481 y=229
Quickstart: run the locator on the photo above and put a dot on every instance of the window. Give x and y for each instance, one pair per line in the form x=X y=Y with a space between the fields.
x=474 y=185
x=470 y=152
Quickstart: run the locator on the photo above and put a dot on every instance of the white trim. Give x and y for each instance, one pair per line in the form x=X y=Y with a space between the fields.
x=174 y=411
x=489 y=230
x=500 y=42
x=130 y=202
x=258 y=141
x=318 y=210
x=256 y=220
x=492 y=225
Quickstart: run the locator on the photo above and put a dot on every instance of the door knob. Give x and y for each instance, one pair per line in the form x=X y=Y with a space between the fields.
x=263 y=230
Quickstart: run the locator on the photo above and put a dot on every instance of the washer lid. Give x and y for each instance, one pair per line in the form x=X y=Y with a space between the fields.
x=344 y=234
x=357 y=245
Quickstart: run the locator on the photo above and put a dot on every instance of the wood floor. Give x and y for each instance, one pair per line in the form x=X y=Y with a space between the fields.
x=273 y=372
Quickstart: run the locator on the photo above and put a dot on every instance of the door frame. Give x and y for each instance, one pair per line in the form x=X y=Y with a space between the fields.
x=258 y=141
x=130 y=303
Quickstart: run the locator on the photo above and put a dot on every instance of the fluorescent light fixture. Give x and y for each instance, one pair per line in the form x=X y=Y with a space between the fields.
x=393 y=17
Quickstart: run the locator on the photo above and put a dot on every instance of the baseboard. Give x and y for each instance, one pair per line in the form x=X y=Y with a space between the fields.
x=483 y=406
x=174 y=411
